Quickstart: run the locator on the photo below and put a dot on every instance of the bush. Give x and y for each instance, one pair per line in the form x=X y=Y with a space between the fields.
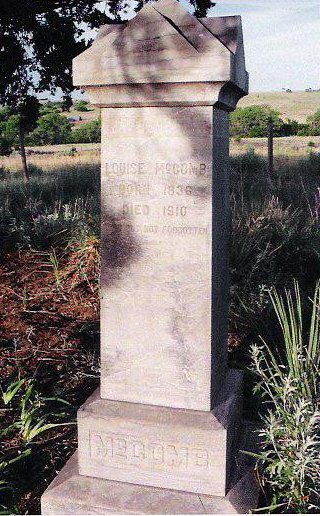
x=81 y=105
x=314 y=123
x=50 y=107
x=51 y=129
x=252 y=121
x=8 y=131
x=290 y=386
x=6 y=145
x=87 y=133
x=304 y=130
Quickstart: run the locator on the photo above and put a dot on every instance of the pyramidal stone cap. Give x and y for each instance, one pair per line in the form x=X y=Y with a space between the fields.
x=165 y=56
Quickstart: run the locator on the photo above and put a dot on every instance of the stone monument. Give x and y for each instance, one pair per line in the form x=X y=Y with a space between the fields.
x=162 y=435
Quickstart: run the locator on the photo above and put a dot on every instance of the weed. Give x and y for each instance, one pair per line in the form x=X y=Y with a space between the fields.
x=11 y=391
x=53 y=260
x=50 y=209
x=288 y=380
x=29 y=415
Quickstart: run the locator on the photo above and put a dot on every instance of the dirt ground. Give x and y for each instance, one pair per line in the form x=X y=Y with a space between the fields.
x=49 y=332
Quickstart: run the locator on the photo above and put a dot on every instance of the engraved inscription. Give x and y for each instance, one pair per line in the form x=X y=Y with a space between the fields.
x=178 y=190
x=150 y=191
x=123 y=449
x=136 y=209
x=125 y=168
x=181 y=169
x=163 y=168
x=128 y=190
x=175 y=211
x=167 y=229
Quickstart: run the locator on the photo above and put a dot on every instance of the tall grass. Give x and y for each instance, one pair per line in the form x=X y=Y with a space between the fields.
x=275 y=238
x=289 y=381
x=51 y=208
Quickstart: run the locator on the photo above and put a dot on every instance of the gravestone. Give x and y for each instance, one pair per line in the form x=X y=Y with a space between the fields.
x=165 y=427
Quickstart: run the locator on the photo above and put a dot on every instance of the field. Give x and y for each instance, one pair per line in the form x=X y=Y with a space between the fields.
x=51 y=157
x=49 y=296
x=297 y=105
x=289 y=146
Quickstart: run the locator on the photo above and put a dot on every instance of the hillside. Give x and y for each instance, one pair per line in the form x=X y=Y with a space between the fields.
x=297 y=105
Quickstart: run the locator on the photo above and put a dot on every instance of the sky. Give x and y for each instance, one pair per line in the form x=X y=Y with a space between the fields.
x=282 y=41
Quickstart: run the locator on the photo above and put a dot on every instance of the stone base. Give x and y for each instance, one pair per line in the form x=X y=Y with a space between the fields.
x=71 y=493
x=186 y=450
x=140 y=459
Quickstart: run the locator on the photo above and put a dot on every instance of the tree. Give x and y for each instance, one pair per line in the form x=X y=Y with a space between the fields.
x=39 y=39
x=27 y=111
x=87 y=133
x=14 y=124
x=314 y=123
x=81 y=105
x=253 y=121
x=51 y=129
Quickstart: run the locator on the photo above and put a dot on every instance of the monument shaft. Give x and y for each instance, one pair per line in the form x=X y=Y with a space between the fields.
x=163 y=432
x=163 y=310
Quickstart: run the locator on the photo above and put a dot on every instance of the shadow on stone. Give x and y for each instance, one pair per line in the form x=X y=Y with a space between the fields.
x=120 y=246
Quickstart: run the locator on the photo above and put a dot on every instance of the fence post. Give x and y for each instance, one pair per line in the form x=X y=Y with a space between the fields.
x=270 y=150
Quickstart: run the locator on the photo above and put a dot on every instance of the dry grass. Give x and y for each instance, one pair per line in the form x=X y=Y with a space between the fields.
x=92 y=114
x=297 y=105
x=52 y=157
x=289 y=146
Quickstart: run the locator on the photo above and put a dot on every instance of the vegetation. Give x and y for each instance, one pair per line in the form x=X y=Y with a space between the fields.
x=49 y=268
x=289 y=381
x=49 y=228
x=275 y=238
x=253 y=121
x=81 y=105
x=51 y=129
x=27 y=416
x=314 y=123
x=87 y=133
x=298 y=105
x=51 y=209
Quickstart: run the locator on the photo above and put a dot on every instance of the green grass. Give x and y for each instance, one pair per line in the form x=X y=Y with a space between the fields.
x=288 y=380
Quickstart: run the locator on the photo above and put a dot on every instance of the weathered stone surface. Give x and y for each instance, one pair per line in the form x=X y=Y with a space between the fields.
x=164 y=262
x=165 y=46
x=179 y=449
x=71 y=493
x=168 y=416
